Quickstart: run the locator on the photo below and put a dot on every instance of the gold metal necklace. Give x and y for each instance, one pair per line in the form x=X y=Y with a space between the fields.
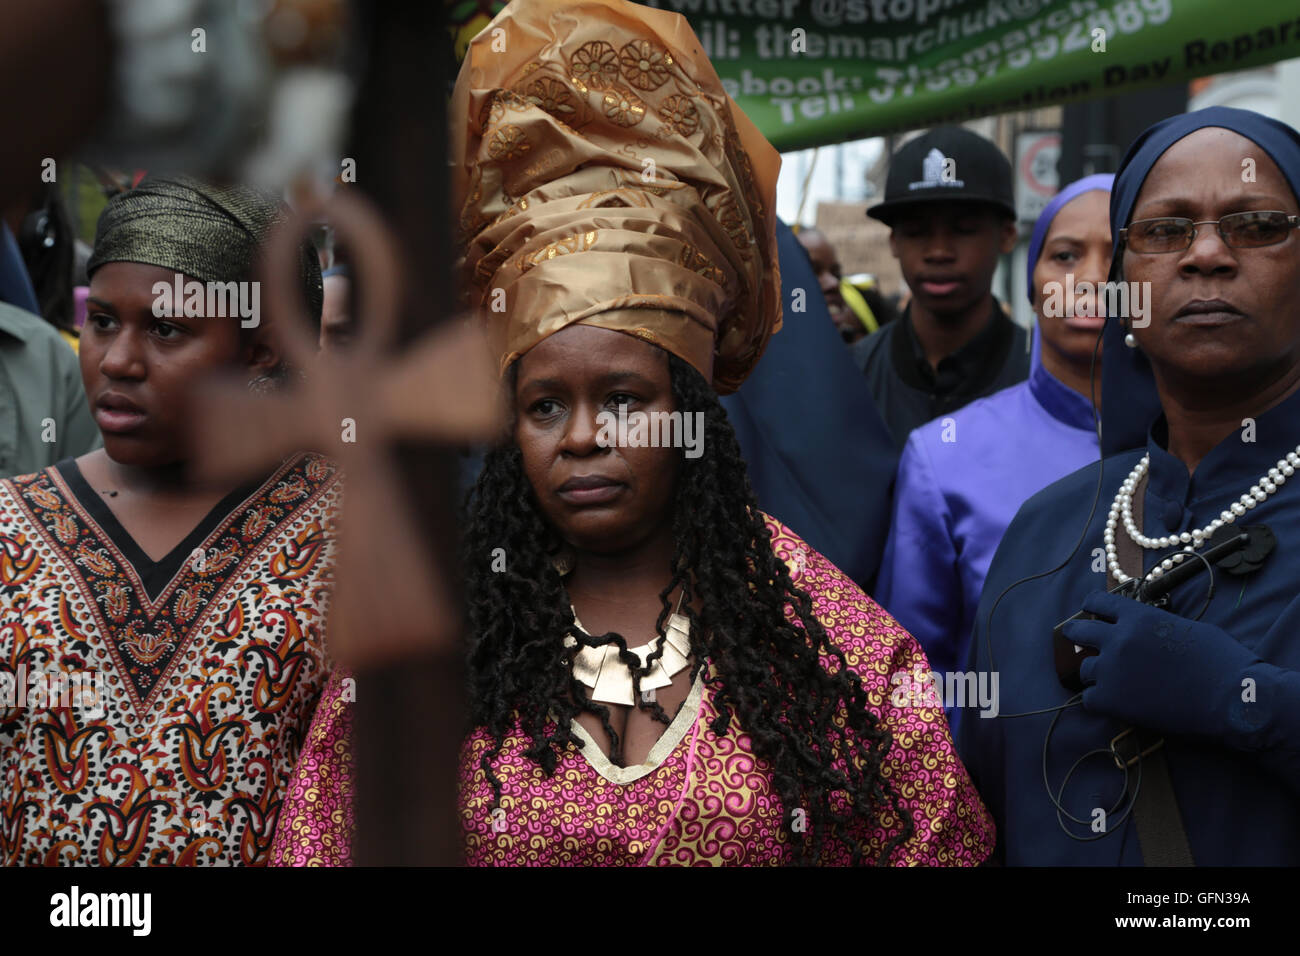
x=610 y=679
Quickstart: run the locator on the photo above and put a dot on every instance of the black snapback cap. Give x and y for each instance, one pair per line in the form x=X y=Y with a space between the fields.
x=947 y=164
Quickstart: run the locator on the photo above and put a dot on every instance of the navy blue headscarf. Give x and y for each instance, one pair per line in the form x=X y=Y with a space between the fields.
x=1128 y=397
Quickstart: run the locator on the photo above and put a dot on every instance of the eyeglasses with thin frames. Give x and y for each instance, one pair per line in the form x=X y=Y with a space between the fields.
x=1240 y=230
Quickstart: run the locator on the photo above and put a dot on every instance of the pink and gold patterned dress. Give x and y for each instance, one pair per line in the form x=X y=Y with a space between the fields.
x=699 y=799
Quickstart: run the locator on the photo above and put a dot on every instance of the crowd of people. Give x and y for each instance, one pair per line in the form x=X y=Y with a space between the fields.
x=937 y=589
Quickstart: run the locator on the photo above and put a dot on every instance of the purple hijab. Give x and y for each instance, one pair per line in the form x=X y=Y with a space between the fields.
x=1098 y=181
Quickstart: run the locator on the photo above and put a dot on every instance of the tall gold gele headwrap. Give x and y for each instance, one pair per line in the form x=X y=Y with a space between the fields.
x=603 y=176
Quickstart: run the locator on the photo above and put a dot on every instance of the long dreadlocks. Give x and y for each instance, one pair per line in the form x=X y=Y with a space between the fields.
x=770 y=679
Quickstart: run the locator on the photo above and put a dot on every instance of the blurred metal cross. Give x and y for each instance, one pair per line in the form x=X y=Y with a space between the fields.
x=352 y=404
x=393 y=618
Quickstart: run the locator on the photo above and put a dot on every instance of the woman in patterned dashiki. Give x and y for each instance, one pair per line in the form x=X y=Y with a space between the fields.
x=161 y=644
x=659 y=673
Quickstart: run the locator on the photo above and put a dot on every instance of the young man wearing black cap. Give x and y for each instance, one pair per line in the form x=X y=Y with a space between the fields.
x=949 y=204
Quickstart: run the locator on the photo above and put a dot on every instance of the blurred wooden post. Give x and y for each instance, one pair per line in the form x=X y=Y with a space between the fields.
x=410 y=714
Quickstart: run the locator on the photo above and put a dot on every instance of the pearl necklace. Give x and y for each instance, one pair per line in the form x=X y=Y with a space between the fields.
x=1191 y=540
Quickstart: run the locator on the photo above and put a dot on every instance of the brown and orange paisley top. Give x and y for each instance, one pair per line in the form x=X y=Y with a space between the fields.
x=152 y=712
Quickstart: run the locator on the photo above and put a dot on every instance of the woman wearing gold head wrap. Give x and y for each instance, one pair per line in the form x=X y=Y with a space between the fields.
x=161 y=644
x=659 y=673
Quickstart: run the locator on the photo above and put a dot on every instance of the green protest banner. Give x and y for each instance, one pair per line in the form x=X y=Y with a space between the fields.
x=811 y=72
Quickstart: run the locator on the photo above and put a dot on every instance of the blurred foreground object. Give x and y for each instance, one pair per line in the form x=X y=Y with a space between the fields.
x=406 y=811
x=51 y=116
x=352 y=404
x=254 y=91
x=394 y=617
